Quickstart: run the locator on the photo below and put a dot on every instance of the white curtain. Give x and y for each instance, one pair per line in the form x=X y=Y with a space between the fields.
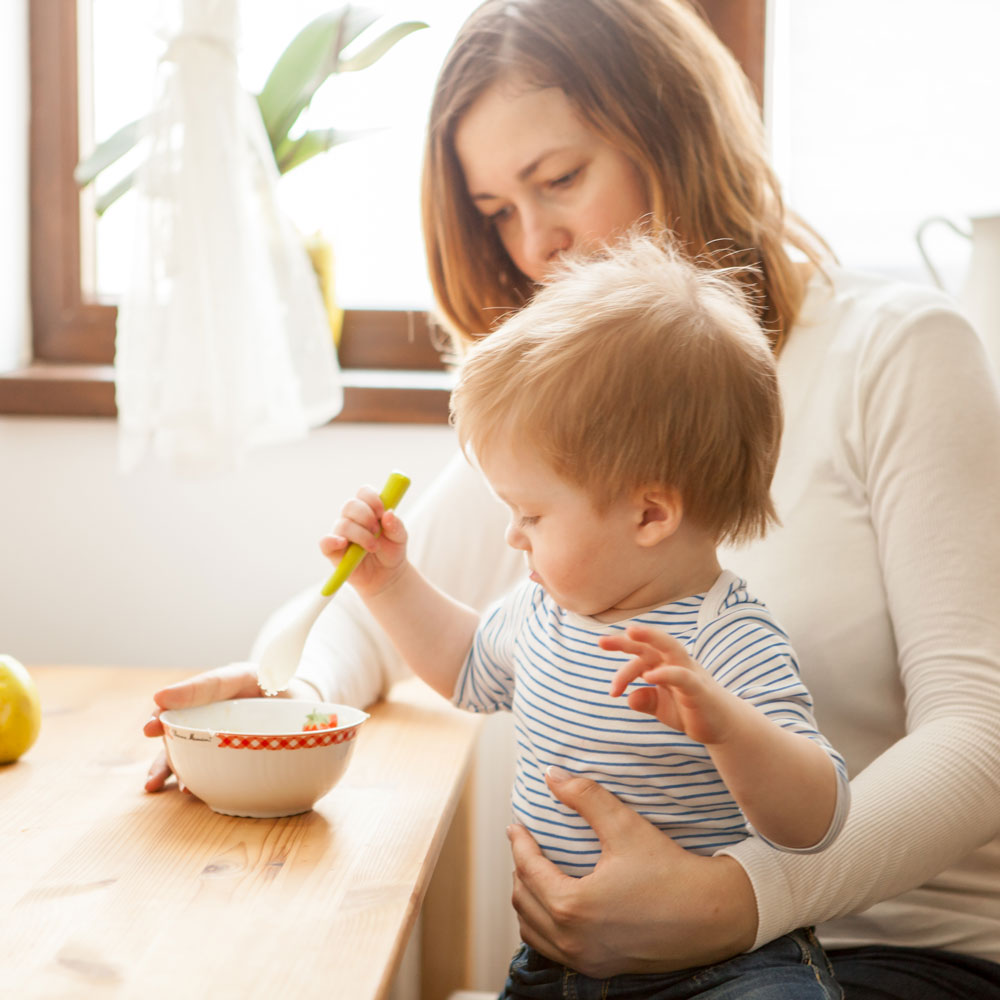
x=223 y=343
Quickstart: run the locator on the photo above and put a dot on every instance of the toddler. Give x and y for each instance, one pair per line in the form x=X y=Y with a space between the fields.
x=629 y=417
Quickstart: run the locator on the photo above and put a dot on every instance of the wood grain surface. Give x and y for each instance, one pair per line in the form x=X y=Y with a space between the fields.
x=107 y=891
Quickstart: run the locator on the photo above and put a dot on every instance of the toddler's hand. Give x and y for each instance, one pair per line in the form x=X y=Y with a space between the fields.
x=684 y=695
x=364 y=521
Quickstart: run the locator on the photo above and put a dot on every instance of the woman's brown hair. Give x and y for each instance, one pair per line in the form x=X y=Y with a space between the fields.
x=651 y=78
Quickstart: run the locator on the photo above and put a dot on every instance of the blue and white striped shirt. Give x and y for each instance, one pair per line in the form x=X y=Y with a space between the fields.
x=542 y=663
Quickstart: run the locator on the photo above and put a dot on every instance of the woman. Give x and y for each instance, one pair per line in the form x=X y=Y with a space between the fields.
x=557 y=124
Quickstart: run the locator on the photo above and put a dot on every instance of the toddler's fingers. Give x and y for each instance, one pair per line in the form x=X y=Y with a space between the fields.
x=332 y=545
x=643 y=657
x=365 y=513
x=393 y=529
x=368 y=496
x=672 y=675
x=628 y=672
x=661 y=640
x=645 y=700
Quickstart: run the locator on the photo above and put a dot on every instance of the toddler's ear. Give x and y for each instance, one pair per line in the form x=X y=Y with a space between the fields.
x=660 y=511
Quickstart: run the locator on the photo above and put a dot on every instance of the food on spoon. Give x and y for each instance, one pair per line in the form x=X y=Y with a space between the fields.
x=319 y=720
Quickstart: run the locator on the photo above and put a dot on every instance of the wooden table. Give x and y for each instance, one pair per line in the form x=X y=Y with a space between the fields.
x=107 y=891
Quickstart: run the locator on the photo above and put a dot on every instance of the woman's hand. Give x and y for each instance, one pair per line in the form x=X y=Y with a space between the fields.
x=236 y=680
x=648 y=906
x=365 y=521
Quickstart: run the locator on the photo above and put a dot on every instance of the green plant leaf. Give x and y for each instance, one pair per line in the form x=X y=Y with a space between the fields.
x=294 y=152
x=374 y=51
x=108 y=152
x=357 y=18
x=309 y=60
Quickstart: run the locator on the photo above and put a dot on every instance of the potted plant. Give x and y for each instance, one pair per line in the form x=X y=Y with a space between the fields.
x=313 y=56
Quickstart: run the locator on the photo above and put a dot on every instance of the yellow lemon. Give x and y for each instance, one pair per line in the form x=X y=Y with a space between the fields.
x=20 y=710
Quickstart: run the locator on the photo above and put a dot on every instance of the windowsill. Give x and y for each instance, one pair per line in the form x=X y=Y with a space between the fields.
x=83 y=390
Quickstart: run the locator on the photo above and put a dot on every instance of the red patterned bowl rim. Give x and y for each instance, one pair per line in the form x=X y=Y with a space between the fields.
x=266 y=741
x=285 y=741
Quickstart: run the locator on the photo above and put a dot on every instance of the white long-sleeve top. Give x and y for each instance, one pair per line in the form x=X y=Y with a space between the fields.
x=885 y=573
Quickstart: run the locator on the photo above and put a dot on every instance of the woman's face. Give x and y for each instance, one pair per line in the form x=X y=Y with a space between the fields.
x=544 y=179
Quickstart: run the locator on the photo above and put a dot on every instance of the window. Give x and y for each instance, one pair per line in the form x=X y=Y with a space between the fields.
x=392 y=370
x=882 y=115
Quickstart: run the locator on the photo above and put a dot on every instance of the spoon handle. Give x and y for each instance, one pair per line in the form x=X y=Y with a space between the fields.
x=395 y=487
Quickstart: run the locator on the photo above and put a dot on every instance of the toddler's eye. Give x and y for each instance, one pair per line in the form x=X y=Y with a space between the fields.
x=527 y=522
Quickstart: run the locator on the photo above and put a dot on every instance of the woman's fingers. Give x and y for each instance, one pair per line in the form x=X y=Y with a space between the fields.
x=607 y=815
x=235 y=680
x=153 y=727
x=533 y=870
x=569 y=919
x=159 y=772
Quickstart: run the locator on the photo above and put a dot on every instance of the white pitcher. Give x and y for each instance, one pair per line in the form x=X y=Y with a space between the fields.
x=980 y=291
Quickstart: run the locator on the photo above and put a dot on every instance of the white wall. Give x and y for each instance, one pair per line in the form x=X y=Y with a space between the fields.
x=151 y=570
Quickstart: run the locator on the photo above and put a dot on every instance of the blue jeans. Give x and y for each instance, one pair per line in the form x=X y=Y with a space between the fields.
x=793 y=967
x=884 y=973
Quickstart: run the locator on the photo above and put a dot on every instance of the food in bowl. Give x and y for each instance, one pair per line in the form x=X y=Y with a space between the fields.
x=261 y=757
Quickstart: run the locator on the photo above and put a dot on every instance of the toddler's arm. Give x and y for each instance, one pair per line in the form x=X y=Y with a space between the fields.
x=432 y=632
x=785 y=783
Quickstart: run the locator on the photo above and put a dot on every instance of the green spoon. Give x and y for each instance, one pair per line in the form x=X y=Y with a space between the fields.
x=395 y=487
x=280 y=658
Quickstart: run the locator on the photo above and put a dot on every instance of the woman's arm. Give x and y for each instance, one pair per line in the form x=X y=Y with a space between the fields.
x=927 y=446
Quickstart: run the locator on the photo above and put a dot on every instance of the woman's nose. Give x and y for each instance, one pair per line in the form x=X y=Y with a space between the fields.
x=545 y=240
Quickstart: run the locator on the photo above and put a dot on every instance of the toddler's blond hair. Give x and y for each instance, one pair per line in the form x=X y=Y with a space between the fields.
x=636 y=368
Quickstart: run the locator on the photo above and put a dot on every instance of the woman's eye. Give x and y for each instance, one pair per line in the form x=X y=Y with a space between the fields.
x=500 y=215
x=565 y=179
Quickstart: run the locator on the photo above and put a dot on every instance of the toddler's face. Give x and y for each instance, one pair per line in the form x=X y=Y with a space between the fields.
x=579 y=555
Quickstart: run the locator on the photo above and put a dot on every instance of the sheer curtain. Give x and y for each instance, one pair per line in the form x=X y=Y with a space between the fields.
x=222 y=341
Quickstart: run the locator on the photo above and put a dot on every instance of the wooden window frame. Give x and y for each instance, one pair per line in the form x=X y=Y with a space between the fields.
x=391 y=367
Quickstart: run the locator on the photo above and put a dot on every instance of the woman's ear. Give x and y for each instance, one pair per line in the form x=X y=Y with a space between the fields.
x=659 y=512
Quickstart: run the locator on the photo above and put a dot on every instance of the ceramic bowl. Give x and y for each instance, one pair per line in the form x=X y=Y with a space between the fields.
x=253 y=757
